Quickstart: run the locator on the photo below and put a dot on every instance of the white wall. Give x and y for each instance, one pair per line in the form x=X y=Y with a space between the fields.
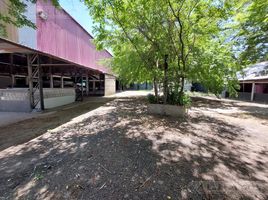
x=58 y=101
x=54 y=97
x=109 y=85
x=15 y=100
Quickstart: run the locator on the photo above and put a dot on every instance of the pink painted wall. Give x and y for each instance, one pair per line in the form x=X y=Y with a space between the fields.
x=62 y=36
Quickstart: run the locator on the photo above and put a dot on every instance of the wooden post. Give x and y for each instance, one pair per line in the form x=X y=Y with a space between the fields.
x=30 y=79
x=252 y=91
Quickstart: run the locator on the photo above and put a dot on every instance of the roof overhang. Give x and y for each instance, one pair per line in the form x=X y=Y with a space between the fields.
x=8 y=47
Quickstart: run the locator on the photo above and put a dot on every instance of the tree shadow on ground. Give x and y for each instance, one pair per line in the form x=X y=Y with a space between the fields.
x=123 y=152
x=248 y=108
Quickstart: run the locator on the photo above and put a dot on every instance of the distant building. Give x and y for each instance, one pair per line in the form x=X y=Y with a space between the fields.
x=254 y=83
x=44 y=67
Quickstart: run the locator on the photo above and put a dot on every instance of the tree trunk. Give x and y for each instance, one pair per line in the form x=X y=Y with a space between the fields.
x=182 y=85
x=165 y=80
x=156 y=90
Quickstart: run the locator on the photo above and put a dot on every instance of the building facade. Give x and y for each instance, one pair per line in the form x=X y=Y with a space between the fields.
x=54 y=64
x=254 y=83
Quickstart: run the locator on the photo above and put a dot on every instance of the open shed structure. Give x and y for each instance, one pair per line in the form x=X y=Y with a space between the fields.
x=52 y=65
x=254 y=83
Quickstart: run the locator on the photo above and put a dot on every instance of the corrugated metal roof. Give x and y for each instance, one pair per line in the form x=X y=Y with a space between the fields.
x=257 y=71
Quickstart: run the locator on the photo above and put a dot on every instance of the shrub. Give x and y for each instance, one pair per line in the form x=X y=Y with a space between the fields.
x=152 y=98
x=176 y=98
x=185 y=100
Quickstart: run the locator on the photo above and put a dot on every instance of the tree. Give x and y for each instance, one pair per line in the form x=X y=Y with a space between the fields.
x=252 y=28
x=16 y=14
x=168 y=41
x=167 y=35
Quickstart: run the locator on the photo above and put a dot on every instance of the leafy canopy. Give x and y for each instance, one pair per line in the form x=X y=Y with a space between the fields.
x=191 y=33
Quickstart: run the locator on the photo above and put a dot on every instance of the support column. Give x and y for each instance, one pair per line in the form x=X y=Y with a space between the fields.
x=94 y=86
x=87 y=85
x=61 y=82
x=30 y=80
x=13 y=80
x=51 y=81
x=11 y=71
x=109 y=85
x=51 y=77
x=252 y=92
x=82 y=88
x=40 y=81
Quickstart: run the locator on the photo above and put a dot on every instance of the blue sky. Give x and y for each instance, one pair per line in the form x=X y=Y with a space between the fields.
x=79 y=12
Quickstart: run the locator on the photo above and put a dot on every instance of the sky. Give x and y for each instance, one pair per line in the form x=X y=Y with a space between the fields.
x=79 y=12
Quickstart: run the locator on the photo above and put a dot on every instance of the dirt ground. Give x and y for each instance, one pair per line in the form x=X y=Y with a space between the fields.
x=118 y=151
x=38 y=124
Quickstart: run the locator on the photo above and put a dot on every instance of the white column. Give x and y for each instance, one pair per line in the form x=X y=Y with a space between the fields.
x=252 y=92
x=109 y=85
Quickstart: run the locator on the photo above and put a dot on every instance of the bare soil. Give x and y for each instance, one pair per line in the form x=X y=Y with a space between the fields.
x=118 y=151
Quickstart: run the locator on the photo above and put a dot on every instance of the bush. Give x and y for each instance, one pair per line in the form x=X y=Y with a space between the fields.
x=152 y=98
x=185 y=100
x=176 y=98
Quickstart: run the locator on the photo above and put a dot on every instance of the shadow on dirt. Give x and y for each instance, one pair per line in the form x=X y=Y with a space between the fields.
x=249 y=108
x=126 y=153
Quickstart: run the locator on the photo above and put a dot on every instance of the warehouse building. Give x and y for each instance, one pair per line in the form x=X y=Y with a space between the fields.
x=52 y=65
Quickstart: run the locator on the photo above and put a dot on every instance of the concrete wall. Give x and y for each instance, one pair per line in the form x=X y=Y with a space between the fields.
x=109 y=85
x=244 y=96
x=18 y=100
x=258 y=97
x=54 y=97
x=15 y=100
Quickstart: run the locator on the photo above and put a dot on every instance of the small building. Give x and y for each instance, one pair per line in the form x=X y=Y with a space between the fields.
x=254 y=83
x=52 y=65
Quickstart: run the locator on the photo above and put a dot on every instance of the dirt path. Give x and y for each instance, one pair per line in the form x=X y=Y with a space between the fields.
x=23 y=131
x=118 y=151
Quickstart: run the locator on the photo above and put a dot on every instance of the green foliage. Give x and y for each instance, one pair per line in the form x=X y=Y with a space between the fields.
x=202 y=39
x=252 y=28
x=185 y=100
x=152 y=99
x=191 y=33
x=16 y=15
x=177 y=98
x=174 y=98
